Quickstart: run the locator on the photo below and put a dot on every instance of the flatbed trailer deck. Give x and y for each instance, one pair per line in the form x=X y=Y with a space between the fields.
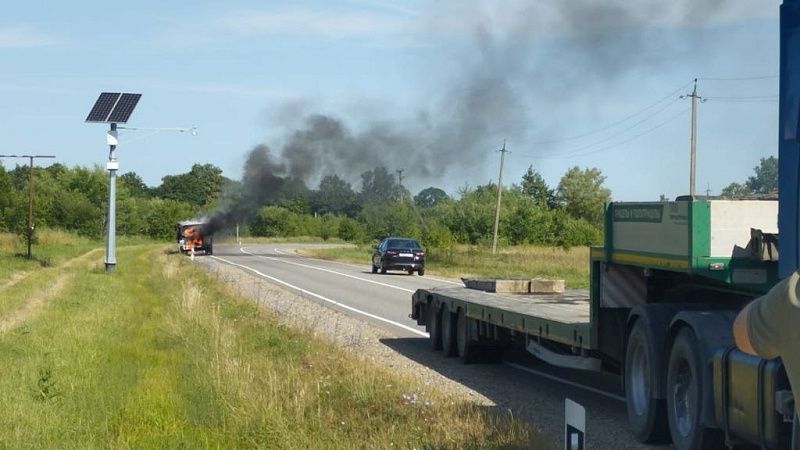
x=562 y=318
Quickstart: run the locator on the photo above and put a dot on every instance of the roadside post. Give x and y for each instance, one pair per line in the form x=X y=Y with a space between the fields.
x=574 y=426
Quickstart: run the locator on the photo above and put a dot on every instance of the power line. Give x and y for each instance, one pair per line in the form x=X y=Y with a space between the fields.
x=752 y=97
x=758 y=77
x=774 y=100
x=613 y=124
x=617 y=144
x=621 y=132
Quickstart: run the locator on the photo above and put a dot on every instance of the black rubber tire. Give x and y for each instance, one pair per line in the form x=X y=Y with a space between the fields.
x=434 y=325
x=421 y=272
x=210 y=250
x=374 y=269
x=383 y=268
x=448 y=332
x=467 y=349
x=647 y=415
x=410 y=271
x=685 y=394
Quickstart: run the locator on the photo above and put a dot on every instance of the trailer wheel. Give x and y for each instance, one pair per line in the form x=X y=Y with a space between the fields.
x=448 y=332
x=685 y=396
x=647 y=415
x=434 y=327
x=467 y=349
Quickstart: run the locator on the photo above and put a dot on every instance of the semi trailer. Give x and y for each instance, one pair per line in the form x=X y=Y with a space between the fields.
x=664 y=290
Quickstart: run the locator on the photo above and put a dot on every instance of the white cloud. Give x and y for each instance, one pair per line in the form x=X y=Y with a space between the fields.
x=23 y=36
x=327 y=23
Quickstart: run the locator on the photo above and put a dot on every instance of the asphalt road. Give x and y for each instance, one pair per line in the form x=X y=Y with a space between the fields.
x=522 y=384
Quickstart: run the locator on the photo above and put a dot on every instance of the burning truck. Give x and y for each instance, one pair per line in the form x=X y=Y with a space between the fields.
x=192 y=237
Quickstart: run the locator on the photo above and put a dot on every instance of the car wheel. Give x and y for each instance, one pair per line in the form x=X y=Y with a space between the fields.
x=421 y=272
x=374 y=269
x=410 y=271
x=383 y=268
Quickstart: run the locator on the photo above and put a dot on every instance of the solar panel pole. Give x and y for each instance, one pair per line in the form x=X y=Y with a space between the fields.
x=112 y=108
x=112 y=166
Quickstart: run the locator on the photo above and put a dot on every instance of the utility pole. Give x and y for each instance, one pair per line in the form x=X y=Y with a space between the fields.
x=400 y=182
x=29 y=229
x=503 y=152
x=693 y=139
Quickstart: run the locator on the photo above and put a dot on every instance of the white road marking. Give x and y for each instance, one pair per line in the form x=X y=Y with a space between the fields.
x=281 y=252
x=323 y=298
x=567 y=382
x=242 y=249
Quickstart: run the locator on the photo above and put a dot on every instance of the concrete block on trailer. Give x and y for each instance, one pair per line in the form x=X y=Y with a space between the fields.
x=508 y=286
x=545 y=286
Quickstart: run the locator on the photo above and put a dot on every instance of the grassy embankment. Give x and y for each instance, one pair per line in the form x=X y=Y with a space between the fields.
x=520 y=261
x=158 y=355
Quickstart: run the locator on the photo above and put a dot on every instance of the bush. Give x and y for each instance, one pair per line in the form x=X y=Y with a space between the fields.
x=351 y=231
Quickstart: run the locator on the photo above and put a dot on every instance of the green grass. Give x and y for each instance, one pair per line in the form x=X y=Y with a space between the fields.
x=158 y=355
x=53 y=247
x=519 y=261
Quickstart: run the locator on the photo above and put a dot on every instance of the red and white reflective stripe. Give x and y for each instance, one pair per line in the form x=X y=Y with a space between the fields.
x=622 y=286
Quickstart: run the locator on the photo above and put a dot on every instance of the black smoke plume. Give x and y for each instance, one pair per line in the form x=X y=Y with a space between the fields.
x=527 y=58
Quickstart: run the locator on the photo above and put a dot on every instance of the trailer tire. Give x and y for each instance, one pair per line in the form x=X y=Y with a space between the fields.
x=685 y=396
x=434 y=327
x=448 y=332
x=467 y=349
x=647 y=415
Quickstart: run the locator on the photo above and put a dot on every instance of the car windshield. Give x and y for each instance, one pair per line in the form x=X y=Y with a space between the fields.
x=402 y=243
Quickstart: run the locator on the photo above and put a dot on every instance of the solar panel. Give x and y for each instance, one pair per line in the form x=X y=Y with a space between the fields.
x=103 y=106
x=113 y=107
x=124 y=108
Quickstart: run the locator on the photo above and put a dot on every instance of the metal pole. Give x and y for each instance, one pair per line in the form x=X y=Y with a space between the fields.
x=693 y=146
x=400 y=182
x=499 y=196
x=30 y=206
x=111 y=257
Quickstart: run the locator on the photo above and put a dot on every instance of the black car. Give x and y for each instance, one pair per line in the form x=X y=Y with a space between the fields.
x=398 y=253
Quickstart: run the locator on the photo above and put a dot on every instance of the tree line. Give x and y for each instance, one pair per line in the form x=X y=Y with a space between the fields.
x=75 y=199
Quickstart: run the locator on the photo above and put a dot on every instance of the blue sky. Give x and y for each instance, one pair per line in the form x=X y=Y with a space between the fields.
x=250 y=72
